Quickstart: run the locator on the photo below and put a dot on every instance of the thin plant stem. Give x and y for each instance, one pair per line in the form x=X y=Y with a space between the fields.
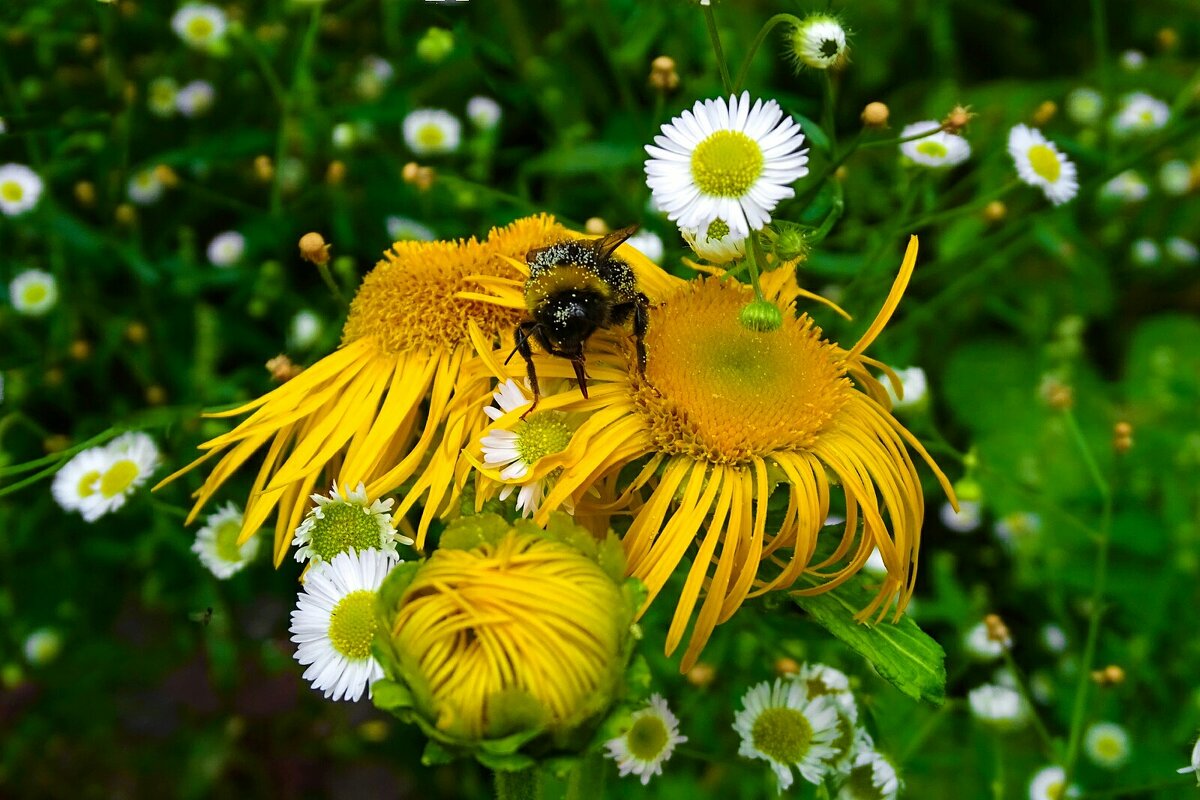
x=1038 y=725
x=753 y=259
x=289 y=107
x=715 y=36
x=827 y=123
x=896 y=140
x=976 y=205
x=763 y=32
x=522 y=785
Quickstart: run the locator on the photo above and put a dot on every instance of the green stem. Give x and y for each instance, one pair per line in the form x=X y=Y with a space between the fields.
x=1038 y=725
x=897 y=140
x=715 y=36
x=827 y=123
x=942 y=216
x=334 y=289
x=522 y=785
x=587 y=778
x=763 y=32
x=289 y=107
x=753 y=258
x=1140 y=791
x=923 y=733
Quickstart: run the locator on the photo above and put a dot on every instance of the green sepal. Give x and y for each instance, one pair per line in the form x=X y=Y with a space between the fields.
x=436 y=755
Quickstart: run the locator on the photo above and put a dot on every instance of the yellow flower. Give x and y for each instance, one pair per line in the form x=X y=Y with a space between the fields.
x=356 y=415
x=726 y=419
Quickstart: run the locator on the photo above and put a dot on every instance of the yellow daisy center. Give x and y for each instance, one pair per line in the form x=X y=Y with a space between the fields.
x=343 y=526
x=647 y=737
x=718 y=391
x=1109 y=747
x=226 y=536
x=11 y=191
x=1147 y=117
x=85 y=486
x=118 y=478
x=34 y=293
x=1055 y=790
x=783 y=734
x=727 y=164
x=352 y=625
x=408 y=301
x=1045 y=162
x=932 y=149
x=431 y=136
x=542 y=434
x=199 y=28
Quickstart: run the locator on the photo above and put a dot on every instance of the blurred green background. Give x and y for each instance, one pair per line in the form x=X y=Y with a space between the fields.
x=170 y=683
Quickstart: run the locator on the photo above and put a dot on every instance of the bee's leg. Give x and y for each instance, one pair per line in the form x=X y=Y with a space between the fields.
x=523 y=332
x=641 y=323
x=580 y=375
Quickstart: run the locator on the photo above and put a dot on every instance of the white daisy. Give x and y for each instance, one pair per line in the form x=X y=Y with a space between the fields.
x=132 y=458
x=871 y=778
x=979 y=643
x=821 y=680
x=513 y=452
x=1053 y=638
x=1175 y=177
x=1195 y=766
x=1084 y=105
x=715 y=242
x=200 y=25
x=403 y=229
x=819 y=41
x=1182 y=250
x=651 y=738
x=649 y=244
x=725 y=159
x=226 y=249
x=304 y=329
x=1047 y=784
x=374 y=77
x=1107 y=744
x=1040 y=164
x=1127 y=186
x=42 y=646
x=431 y=131
x=20 y=189
x=217 y=543
x=782 y=725
x=343 y=521
x=33 y=292
x=344 y=136
x=914 y=386
x=1133 y=60
x=145 y=187
x=77 y=480
x=1018 y=527
x=1001 y=707
x=1139 y=113
x=1144 y=252
x=160 y=97
x=484 y=112
x=966 y=519
x=195 y=99
x=334 y=624
x=937 y=150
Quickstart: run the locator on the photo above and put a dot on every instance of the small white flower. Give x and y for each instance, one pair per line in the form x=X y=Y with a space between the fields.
x=1144 y=252
x=132 y=458
x=821 y=680
x=1040 y=164
x=782 y=725
x=199 y=25
x=432 y=131
x=33 y=292
x=966 y=519
x=1139 y=113
x=42 y=646
x=1128 y=186
x=914 y=385
x=161 y=96
x=1133 y=60
x=652 y=736
x=1195 y=766
x=484 y=112
x=999 y=706
x=1054 y=639
x=344 y=136
x=1182 y=250
x=403 y=229
x=226 y=249
x=1018 y=527
x=980 y=645
x=195 y=99
x=1107 y=744
x=1175 y=177
x=1084 y=106
x=514 y=452
x=937 y=150
x=726 y=159
x=20 y=189
x=77 y=480
x=649 y=244
x=374 y=77
x=1047 y=784
x=715 y=242
x=379 y=67
x=344 y=521
x=304 y=329
x=145 y=187
x=819 y=41
x=871 y=778
x=217 y=543
x=334 y=624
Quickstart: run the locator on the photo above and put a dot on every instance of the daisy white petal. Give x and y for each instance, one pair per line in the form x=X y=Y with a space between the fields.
x=652 y=736
x=715 y=242
x=1139 y=113
x=1001 y=707
x=1107 y=744
x=938 y=150
x=1040 y=164
x=871 y=778
x=78 y=478
x=33 y=292
x=484 y=112
x=782 y=725
x=431 y=131
x=226 y=249
x=1195 y=765
x=199 y=25
x=819 y=41
x=20 y=189
x=403 y=229
x=195 y=99
x=216 y=543
x=132 y=459
x=1047 y=784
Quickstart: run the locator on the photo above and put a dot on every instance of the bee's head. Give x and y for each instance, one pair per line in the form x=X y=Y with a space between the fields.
x=571 y=317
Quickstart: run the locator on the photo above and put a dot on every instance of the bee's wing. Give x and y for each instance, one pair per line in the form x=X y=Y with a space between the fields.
x=606 y=245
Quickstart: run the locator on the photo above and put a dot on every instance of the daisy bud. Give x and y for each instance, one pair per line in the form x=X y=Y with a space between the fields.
x=125 y=214
x=435 y=45
x=596 y=226
x=787 y=242
x=995 y=211
x=136 y=332
x=374 y=730
x=761 y=316
x=416 y=175
x=155 y=395
x=85 y=193
x=1112 y=675
x=335 y=173
x=313 y=249
x=663 y=76
x=166 y=176
x=80 y=349
x=786 y=666
x=875 y=115
x=56 y=443
x=282 y=368
x=958 y=118
x=52 y=377
x=1168 y=39
x=88 y=44
x=42 y=646
x=997 y=631
x=819 y=42
x=264 y=168
x=702 y=674
x=1045 y=112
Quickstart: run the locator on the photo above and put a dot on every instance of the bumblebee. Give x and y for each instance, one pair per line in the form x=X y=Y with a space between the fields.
x=574 y=288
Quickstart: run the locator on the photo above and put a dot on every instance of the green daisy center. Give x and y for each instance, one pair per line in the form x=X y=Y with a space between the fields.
x=118 y=478
x=34 y=293
x=1044 y=162
x=727 y=164
x=343 y=526
x=718 y=229
x=844 y=742
x=783 y=734
x=200 y=28
x=226 y=537
x=860 y=783
x=352 y=625
x=543 y=434
x=84 y=488
x=431 y=136
x=932 y=149
x=1109 y=747
x=11 y=191
x=647 y=738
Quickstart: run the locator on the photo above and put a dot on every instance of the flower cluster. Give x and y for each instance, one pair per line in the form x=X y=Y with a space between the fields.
x=99 y=480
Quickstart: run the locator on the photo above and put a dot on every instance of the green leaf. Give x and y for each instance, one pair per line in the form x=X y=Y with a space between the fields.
x=812 y=131
x=901 y=652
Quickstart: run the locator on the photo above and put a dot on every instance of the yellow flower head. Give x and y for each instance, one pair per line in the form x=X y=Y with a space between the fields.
x=356 y=415
x=728 y=418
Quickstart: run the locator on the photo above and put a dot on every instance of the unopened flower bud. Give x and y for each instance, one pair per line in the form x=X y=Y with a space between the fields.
x=80 y=349
x=995 y=211
x=418 y=176
x=155 y=395
x=761 y=316
x=819 y=42
x=1168 y=39
x=788 y=242
x=1112 y=675
x=264 y=169
x=663 y=76
x=968 y=490
x=701 y=675
x=125 y=214
x=786 y=666
x=1122 y=437
x=875 y=115
x=282 y=368
x=435 y=45
x=1045 y=112
x=336 y=173
x=85 y=193
x=89 y=43
x=997 y=631
x=166 y=176
x=596 y=226
x=136 y=332
x=958 y=118
x=314 y=249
